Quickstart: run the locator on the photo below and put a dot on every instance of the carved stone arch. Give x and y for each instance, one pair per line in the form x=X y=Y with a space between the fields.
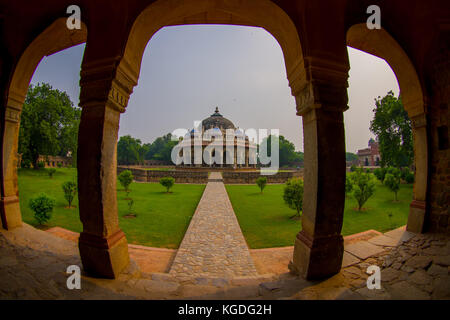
x=381 y=44
x=54 y=38
x=261 y=13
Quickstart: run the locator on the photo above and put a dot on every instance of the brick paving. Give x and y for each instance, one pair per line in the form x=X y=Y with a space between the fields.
x=213 y=245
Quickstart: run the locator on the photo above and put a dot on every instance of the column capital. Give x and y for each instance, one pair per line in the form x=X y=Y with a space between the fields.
x=317 y=83
x=106 y=81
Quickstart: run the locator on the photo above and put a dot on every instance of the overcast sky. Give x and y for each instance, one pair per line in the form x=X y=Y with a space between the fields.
x=189 y=70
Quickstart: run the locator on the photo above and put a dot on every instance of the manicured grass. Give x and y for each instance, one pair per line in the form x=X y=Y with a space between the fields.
x=162 y=219
x=264 y=218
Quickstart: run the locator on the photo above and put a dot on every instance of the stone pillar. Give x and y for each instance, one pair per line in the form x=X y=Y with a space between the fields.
x=104 y=95
x=417 y=209
x=318 y=249
x=9 y=201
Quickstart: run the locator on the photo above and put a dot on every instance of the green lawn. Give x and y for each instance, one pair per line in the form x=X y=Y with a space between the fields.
x=162 y=219
x=264 y=218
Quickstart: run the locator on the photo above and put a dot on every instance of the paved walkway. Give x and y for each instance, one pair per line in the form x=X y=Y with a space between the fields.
x=213 y=245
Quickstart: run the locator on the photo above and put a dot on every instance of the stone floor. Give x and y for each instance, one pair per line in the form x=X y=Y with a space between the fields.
x=33 y=265
x=213 y=245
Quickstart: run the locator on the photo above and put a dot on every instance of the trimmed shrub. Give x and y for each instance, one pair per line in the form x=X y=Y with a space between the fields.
x=380 y=173
x=41 y=165
x=59 y=165
x=348 y=185
x=293 y=195
x=42 y=206
x=70 y=190
x=393 y=183
x=364 y=187
x=261 y=183
x=167 y=182
x=51 y=172
x=409 y=178
x=125 y=179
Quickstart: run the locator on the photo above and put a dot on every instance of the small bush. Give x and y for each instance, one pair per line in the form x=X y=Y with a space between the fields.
x=409 y=178
x=394 y=171
x=167 y=182
x=380 y=173
x=125 y=179
x=26 y=164
x=41 y=164
x=293 y=195
x=393 y=183
x=348 y=185
x=42 y=206
x=51 y=172
x=353 y=168
x=261 y=183
x=364 y=187
x=59 y=165
x=70 y=190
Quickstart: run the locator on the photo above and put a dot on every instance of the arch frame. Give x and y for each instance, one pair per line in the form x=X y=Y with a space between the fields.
x=380 y=43
x=54 y=38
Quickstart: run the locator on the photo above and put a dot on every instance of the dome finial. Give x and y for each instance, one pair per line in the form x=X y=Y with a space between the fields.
x=217 y=110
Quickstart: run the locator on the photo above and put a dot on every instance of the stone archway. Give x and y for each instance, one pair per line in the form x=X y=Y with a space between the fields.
x=380 y=43
x=54 y=38
x=318 y=84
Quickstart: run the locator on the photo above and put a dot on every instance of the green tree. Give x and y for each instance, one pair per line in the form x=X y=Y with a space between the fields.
x=364 y=186
x=49 y=124
x=261 y=183
x=167 y=182
x=393 y=183
x=392 y=127
x=129 y=150
x=293 y=195
x=125 y=179
x=70 y=190
x=42 y=206
x=287 y=153
x=350 y=156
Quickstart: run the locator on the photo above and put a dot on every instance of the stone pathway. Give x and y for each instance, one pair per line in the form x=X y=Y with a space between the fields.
x=213 y=245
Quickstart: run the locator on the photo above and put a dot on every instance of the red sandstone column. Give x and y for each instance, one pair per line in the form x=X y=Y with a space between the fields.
x=9 y=201
x=321 y=101
x=104 y=95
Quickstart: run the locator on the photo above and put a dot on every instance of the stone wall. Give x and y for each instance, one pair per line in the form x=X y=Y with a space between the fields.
x=143 y=175
x=438 y=219
x=250 y=177
x=191 y=176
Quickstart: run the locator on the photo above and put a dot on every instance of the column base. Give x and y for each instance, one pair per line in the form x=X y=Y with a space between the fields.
x=416 y=217
x=11 y=216
x=104 y=257
x=317 y=258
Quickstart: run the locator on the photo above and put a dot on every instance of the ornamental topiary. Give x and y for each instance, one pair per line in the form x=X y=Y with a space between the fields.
x=42 y=206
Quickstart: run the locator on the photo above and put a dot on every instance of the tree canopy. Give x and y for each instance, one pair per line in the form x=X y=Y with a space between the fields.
x=49 y=124
x=131 y=150
x=392 y=127
x=287 y=153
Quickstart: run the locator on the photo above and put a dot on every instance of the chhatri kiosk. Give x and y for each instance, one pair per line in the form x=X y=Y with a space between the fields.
x=217 y=143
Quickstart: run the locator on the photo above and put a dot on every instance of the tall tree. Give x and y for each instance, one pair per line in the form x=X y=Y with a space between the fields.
x=129 y=150
x=49 y=124
x=287 y=152
x=392 y=127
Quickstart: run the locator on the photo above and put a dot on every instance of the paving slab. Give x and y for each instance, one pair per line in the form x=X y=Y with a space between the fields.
x=400 y=234
x=363 y=249
x=349 y=260
x=384 y=241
